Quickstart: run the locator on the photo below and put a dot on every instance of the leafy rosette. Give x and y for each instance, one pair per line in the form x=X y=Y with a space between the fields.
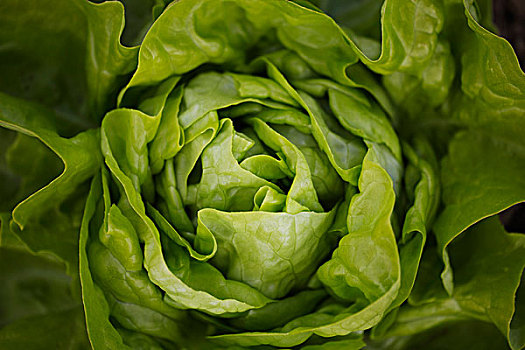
x=230 y=189
x=256 y=175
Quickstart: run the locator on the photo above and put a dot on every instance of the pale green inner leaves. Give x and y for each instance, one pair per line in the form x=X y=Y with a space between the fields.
x=243 y=208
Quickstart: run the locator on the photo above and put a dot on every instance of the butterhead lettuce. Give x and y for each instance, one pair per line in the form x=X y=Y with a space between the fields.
x=218 y=174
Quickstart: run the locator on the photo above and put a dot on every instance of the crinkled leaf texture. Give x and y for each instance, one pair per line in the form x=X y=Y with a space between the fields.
x=254 y=173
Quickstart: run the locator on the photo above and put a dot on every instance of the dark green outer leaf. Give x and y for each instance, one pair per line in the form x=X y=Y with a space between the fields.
x=488 y=265
x=481 y=176
x=81 y=158
x=65 y=55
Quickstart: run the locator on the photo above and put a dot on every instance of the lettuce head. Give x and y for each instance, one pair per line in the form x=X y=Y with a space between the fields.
x=219 y=174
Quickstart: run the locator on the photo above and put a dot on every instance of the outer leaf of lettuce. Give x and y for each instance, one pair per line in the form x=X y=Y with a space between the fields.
x=454 y=336
x=498 y=261
x=517 y=325
x=9 y=181
x=488 y=89
x=23 y=175
x=38 y=218
x=39 y=307
x=362 y=16
x=488 y=265
x=409 y=35
x=477 y=183
x=76 y=75
x=191 y=27
x=58 y=330
x=492 y=82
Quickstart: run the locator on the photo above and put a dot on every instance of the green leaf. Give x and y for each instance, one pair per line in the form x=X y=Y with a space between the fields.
x=39 y=218
x=409 y=35
x=25 y=175
x=39 y=303
x=488 y=265
x=273 y=252
x=475 y=177
x=366 y=263
x=354 y=343
x=453 y=336
x=99 y=328
x=66 y=56
x=419 y=216
x=229 y=43
x=362 y=16
x=492 y=82
x=33 y=285
x=487 y=278
x=57 y=330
